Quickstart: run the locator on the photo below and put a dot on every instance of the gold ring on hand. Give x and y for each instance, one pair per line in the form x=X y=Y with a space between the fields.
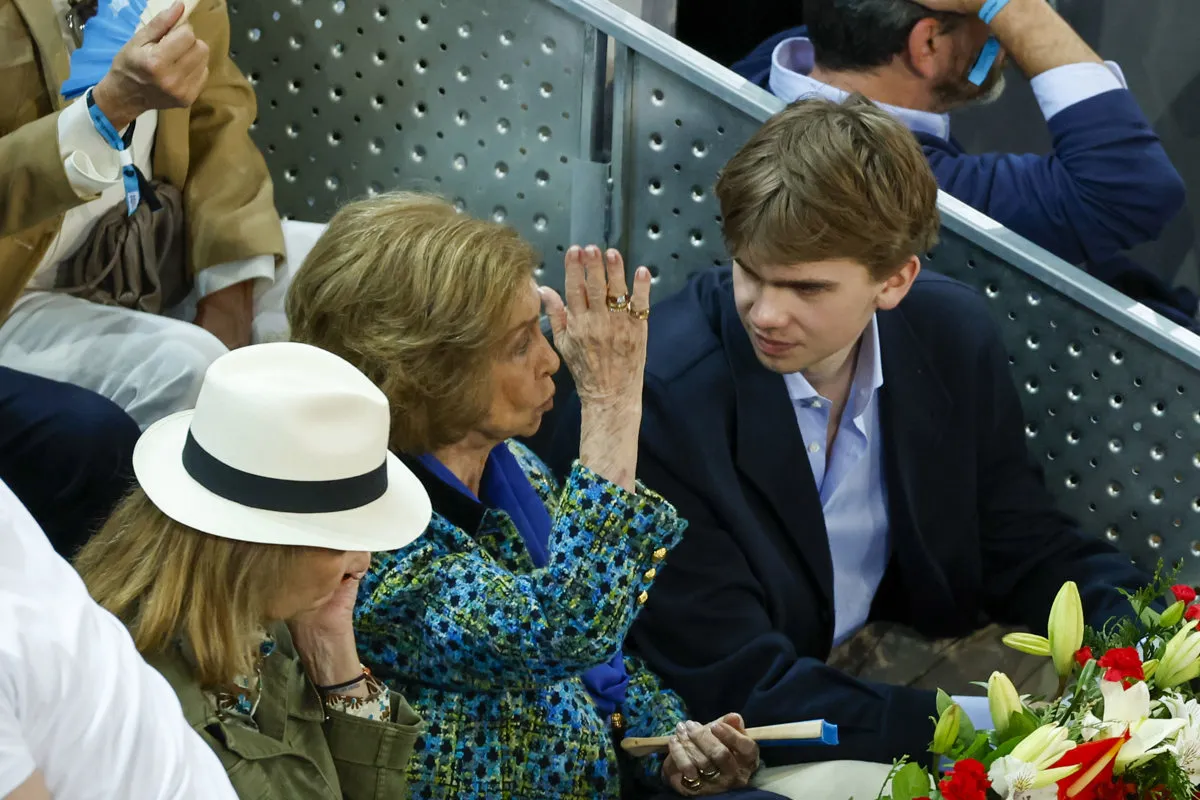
x=617 y=303
x=691 y=784
x=710 y=774
x=642 y=314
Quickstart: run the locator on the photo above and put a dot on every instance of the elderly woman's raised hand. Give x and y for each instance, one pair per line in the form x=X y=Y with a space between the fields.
x=710 y=759
x=600 y=332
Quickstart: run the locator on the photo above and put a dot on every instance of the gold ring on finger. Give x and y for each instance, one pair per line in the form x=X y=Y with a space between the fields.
x=642 y=314
x=692 y=784
x=617 y=303
x=710 y=774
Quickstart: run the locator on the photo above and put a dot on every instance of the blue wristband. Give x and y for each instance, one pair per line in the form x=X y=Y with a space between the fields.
x=990 y=9
x=131 y=176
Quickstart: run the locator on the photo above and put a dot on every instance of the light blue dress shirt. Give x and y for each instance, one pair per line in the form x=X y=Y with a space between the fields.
x=853 y=491
x=850 y=481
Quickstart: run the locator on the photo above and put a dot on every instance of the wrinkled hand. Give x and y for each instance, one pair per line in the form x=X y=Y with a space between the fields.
x=324 y=638
x=953 y=6
x=228 y=314
x=605 y=350
x=161 y=67
x=718 y=755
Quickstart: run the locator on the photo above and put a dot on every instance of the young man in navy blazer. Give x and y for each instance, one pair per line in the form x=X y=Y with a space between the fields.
x=843 y=435
x=1106 y=186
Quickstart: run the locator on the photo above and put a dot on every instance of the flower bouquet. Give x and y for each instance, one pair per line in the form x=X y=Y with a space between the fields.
x=1124 y=725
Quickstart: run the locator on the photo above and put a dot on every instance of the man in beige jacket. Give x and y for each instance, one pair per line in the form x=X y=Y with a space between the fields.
x=193 y=109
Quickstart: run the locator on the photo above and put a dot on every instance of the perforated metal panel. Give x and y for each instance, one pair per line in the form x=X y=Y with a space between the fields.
x=1114 y=423
x=485 y=102
x=494 y=103
x=677 y=136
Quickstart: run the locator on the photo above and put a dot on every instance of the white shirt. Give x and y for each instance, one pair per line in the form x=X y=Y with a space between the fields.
x=1055 y=89
x=94 y=172
x=77 y=702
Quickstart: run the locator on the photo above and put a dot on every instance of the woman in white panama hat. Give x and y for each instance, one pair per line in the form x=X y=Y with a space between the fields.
x=236 y=561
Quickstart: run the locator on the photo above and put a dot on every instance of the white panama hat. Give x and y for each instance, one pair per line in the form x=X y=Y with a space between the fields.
x=288 y=444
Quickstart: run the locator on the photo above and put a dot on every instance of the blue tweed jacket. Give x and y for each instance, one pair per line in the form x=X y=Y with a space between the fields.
x=490 y=650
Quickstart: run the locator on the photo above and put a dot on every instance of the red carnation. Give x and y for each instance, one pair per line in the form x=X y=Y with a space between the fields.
x=1122 y=664
x=967 y=781
x=1083 y=655
x=1183 y=593
x=1191 y=612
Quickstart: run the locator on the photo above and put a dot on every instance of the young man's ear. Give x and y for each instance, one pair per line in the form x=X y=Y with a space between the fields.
x=896 y=287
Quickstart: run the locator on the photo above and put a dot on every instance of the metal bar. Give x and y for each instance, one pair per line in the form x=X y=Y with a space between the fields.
x=622 y=109
x=642 y=37
x=1174 y=340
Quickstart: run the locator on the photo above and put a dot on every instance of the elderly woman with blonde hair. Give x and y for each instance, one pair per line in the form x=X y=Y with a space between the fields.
x=235 y=565
x=503 y=624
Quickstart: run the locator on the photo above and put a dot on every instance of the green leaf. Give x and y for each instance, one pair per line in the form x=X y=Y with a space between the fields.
x=966 y=732
x=1021 y=724
x=1006 y=747
x=910 y=782
x=1149 y=617
x=944 y=701
x=974 y=751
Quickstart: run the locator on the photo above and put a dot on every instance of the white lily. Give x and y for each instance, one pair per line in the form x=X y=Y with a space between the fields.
x=1186 y=747
x=1091 y=727
x=1015 y=779
x=1129 y=710
x=1043 y=747
x=1186 y=751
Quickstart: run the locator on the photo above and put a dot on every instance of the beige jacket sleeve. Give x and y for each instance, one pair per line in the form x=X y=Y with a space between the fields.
x=228 y=195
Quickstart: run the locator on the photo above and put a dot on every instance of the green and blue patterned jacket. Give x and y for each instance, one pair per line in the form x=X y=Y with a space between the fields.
x=490 y=650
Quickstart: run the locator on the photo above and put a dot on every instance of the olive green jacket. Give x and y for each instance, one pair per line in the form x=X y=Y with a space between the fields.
x=299 y=752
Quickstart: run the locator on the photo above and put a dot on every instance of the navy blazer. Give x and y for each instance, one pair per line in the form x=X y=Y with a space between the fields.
x=741 y=617
x=1107 y=186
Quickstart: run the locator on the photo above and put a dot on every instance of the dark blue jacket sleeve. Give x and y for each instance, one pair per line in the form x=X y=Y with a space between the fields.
x=1107 y=186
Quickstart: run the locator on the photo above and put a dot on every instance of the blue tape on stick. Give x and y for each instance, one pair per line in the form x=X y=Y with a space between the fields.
x=829 y=737
x=983 y=65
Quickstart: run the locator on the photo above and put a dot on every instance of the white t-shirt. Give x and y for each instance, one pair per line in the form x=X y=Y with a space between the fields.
x=77 y=702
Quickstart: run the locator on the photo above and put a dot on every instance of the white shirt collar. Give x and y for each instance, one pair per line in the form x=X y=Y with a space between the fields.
x=868 y=376
x=793 y=60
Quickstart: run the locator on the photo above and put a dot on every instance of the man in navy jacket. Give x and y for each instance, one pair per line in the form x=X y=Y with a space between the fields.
x=846 y=442
x=1106 y=187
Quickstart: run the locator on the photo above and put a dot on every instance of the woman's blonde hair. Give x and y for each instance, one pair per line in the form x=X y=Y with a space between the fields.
x=168 y=582
x=417 y=296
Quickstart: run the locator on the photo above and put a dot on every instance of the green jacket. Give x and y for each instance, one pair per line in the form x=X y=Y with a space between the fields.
x=299 y=751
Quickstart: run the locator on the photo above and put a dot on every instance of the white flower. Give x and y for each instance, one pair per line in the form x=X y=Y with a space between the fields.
x=1186 y=751
x=1091 y=727
x=1125 y=705
x=1014 y=779
x=1043 y=747
x=1182 y=709
x=1129 y=709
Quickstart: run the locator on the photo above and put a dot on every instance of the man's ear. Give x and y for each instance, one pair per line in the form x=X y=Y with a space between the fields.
x=896 y=287
x=926 y=48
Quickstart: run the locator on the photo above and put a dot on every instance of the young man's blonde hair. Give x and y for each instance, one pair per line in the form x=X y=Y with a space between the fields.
x=823 y=181
x=418 y=297
x=171 y=584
